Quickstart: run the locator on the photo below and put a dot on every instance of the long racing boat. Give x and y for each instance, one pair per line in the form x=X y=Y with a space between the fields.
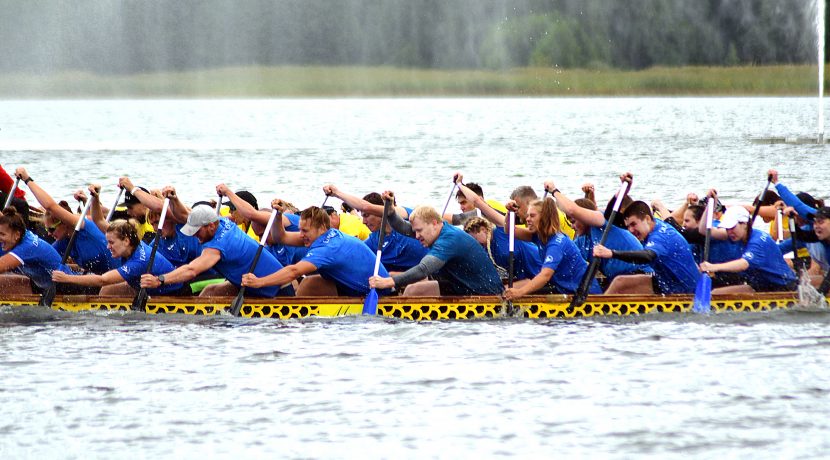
x=422 y=308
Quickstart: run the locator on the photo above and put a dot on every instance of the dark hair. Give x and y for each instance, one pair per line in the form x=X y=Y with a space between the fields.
x=638 y=208
x=317 y=217
x=472 y=186
x=769 y=199
x=524 y=192
x=619 y=221
x=374 y=198
x=329 y=209
x=697 y=211
x=14 y=221
x=124 y=230
x=585 y=203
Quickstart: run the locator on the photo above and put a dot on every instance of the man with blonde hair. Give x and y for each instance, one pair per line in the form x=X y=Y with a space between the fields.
x=459 y=265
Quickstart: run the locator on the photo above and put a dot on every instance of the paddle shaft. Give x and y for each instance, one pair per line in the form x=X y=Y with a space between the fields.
x=758 y=207
x=236 y=306
x=11 y=193
x=140 y=300
x=49 y=294
x=709 y=218
x=115 y=205
x=585 y=284
x=452 y=190
x=511 y=235
x=387 y=205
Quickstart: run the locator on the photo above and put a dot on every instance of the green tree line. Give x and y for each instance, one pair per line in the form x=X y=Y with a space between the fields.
x=133 y=36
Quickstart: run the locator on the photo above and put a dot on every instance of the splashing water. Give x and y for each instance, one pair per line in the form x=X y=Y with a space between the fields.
x=808 y=296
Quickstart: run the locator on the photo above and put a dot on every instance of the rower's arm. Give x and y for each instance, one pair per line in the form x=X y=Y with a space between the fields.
x=538 y=282
x=428 y=265
x=733 y=266
x=790 y=199
x=97 y=216
x=279 y=235
x=91 y=279
x=46 y=200
x=151 y=202
x=244 y=208
x=399 y=225
x=362 y=205
x=187 y=272
x=590 y=217
x=642 y=256
x=9 y=262
x=176 y=209
x=460 y=218
x=486 y=210
x=281 y=277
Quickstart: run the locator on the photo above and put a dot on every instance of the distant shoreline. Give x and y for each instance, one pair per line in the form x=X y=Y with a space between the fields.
x=379 y=82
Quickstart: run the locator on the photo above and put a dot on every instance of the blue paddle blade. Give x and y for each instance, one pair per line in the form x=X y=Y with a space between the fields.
x=370 y=306
x=703 y=294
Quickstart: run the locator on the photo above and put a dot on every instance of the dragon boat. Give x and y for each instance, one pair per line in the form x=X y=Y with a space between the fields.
x=422 y=308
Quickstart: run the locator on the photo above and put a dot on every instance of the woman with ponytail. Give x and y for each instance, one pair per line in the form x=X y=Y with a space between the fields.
x=562 y=265
x=22 y=252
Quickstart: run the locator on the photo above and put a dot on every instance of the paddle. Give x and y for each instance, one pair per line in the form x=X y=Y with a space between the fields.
x=219 y=205
x=236 y=305
x=511 y=235
x=370 y=305
x=140 y=299
x=825 y=284
x=703 y=290
x=758 y=207
x=324 y=201
x=11 y=193
x=49 y=294
x=452 y=190
x=117 y=199
x=798 y=262
x=584 y=285
x=779 y=220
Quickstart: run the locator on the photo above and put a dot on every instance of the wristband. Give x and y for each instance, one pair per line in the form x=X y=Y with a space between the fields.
x=136 y=188
x=554 y=192
x=27 y=180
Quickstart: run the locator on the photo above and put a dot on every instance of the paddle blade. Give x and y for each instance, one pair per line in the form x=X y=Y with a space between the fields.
x=140 y=301
x=370 y=306
x=703 y=294
x=236 y=305
x=48 y=296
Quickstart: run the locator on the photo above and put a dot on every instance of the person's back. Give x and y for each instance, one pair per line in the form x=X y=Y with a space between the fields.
x=90 y=249
x=399 y=253
x=618 y=239
x=767 y=268
x=467 y=268
x=237 y=251
x=38 y=259
x=344 y=259
x=527 y=262
x=674 y=267
x=133 y=267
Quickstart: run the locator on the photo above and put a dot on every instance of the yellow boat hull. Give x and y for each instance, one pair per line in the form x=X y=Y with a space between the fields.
x=423 y=308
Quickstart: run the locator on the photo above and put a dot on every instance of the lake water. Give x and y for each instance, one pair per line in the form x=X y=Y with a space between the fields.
x=96 y=385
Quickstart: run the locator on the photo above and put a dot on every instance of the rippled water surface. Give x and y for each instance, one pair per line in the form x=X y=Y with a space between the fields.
x=753 y=385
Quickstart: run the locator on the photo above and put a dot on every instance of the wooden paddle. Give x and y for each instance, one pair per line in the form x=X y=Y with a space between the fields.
x=49 y=294
x=140 y=299
x=236 y=305
x=703 y=291
x=117 y=199
x=580 y=295
x=11 y=193
x=370 y=305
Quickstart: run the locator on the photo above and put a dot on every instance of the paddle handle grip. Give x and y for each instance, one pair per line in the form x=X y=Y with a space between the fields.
x=511 y=238
x=268 y=227
x=780 y=221
x=449 y=198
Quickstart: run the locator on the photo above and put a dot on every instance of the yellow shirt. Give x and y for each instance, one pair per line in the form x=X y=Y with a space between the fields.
x=353 y=225
x=226 y=212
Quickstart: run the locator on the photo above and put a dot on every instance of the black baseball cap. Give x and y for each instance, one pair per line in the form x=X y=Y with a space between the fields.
x=247 y=197
x=130 y=199
x=821 y=213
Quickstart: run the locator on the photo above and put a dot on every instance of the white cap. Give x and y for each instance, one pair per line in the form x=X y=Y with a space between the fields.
x=734 y=216
x=200 y=215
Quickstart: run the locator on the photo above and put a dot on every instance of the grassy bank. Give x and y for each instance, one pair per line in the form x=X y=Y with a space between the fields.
x=256 y=82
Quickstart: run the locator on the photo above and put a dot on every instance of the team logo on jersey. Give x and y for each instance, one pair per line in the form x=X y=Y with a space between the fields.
x=748 y=255
x=548 y=259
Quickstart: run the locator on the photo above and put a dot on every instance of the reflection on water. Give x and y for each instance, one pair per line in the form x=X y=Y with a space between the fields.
x=109 y=384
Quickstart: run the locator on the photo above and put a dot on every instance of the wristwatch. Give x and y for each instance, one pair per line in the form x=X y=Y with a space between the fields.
x=161 y=280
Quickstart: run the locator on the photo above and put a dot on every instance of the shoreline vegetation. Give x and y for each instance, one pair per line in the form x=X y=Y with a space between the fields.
x=297 y=82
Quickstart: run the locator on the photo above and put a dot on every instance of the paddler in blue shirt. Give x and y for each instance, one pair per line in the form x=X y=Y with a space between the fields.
x=761 y=265
x=400 y=253
x=90 y=250
x=342 y=262
x=589 y=224
x=664 y=249
x=455 y=259
x=225 y=248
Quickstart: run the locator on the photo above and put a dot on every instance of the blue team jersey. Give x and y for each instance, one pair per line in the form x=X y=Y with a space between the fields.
x=289 y=255
x=345 y=260
x=237 y=250
x=674 y=267
x=400 y=253
x=526 y=260
x=38 y=259
x=180 y=249
x=719 y=250
x=618 y=239
x=767 y=268
x=561 y=255
x=90 y=250
x=467 y=268
x=133 y=267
